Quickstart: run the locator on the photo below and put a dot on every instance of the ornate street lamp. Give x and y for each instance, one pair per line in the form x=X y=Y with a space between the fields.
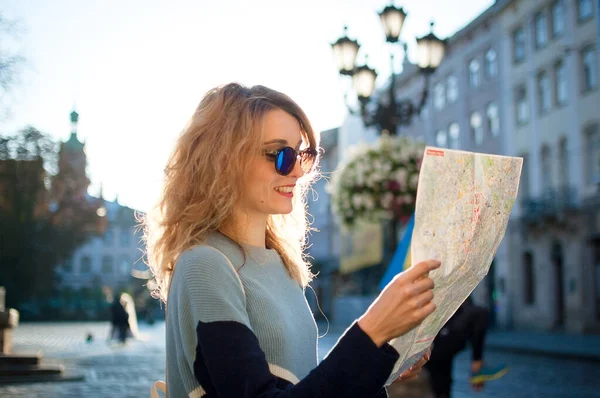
x=388 y=113
x=392 y=19
x=345 y=51
x=391 y=114
x=430 y=52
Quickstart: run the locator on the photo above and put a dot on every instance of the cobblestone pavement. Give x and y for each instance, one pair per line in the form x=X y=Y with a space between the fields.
x=110 y=370
x=129 y=371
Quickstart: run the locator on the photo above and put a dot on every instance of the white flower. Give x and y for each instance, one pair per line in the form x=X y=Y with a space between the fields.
x=375 y=178
x=386 y=200
x=414 y=180
x=386 y=167
x=368 y=202
x=370 y=165
x=346 y=203
x=400 y=176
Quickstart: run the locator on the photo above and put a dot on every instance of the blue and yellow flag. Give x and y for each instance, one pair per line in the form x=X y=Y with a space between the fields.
x=401 y=259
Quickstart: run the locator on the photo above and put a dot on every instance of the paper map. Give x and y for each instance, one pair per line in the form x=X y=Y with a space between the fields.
x=464 y=200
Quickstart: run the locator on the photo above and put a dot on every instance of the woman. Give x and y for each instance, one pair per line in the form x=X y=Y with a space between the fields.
x=225 y=244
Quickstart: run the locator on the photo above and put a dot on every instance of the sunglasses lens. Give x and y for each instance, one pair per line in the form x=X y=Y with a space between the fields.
x=286 y=159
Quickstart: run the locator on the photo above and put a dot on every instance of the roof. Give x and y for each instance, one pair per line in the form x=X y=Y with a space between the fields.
x=73 y=143
x=117 y=213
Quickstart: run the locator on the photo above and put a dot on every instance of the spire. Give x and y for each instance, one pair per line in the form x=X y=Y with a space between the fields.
x=74 y=121
x=73 y=141
x=405 y=61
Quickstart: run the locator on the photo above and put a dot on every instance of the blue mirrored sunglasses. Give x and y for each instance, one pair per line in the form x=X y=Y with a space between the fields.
x=285 y=159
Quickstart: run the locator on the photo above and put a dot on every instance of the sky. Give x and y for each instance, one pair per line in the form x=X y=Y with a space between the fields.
x=135 y=70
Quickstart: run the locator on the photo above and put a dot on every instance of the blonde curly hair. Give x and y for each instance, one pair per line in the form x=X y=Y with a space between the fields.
x=204 y=176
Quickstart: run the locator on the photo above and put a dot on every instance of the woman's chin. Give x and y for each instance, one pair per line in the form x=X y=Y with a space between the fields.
x=283 y=209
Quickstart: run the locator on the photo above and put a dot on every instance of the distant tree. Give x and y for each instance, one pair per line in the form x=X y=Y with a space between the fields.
x=10 y=60
x=38 y=229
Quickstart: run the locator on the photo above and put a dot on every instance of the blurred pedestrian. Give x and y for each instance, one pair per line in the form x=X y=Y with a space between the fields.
x=119 y=320
x=225 y=244
x=468 y=325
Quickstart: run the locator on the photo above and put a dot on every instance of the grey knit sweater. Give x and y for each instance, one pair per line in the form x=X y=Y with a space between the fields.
x=244 y=329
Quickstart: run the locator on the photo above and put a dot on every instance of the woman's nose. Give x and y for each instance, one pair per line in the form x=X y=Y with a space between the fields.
x=297 y=170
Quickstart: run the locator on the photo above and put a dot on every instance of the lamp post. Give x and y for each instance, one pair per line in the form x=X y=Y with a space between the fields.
x=389 y=115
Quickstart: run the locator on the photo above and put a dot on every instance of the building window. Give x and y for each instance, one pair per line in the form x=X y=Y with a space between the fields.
x=493 y=119
x=558 y=18
x=519 y=45
x=541 y=30
x=441 y=139
x=584 y=10
x=85 y=267
x=522 y=106
x=125 y=235
x=424 y=115
x=560 y=83
x=491 y=65
x=108 y=237
x=107 y=265
x=476 y=128
x=474 y=77
x=125 y=265
x=452 y=89
x=590 y=76
x=592 y=156
x=528 y=278
x=68 y=265
x=544 y=97
x=454 y=136
x=439 y=96
x=563 y=166
x=546 y=169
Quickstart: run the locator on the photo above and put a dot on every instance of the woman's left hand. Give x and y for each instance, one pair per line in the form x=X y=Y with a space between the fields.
x=413 y=372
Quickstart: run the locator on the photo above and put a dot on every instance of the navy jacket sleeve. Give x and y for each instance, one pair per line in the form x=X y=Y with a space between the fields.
x=230 y=363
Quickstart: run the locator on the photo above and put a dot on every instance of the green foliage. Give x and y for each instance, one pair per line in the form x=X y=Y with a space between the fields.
x=36 y=233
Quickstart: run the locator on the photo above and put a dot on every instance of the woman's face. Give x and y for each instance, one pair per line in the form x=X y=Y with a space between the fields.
x=265 y=191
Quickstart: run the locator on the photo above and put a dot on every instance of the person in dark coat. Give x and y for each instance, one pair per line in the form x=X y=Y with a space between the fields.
x=119 y=320
x=469 y=324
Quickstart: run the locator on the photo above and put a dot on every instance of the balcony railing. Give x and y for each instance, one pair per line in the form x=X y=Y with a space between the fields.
x=552 y=203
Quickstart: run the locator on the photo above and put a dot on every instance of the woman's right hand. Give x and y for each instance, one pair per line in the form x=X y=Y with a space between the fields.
x=402 y=305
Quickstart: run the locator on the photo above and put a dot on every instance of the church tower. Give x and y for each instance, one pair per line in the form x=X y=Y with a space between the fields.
x=71 y=180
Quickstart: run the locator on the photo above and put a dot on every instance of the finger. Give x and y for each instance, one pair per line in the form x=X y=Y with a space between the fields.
x=413 y=290
x=418 y=314
x=422 y=285
x=410 y=373
x=422 y=299
x=415 y=370
x=419 y=270
x=425 y=311
x=410 y=377
x=420 y=364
